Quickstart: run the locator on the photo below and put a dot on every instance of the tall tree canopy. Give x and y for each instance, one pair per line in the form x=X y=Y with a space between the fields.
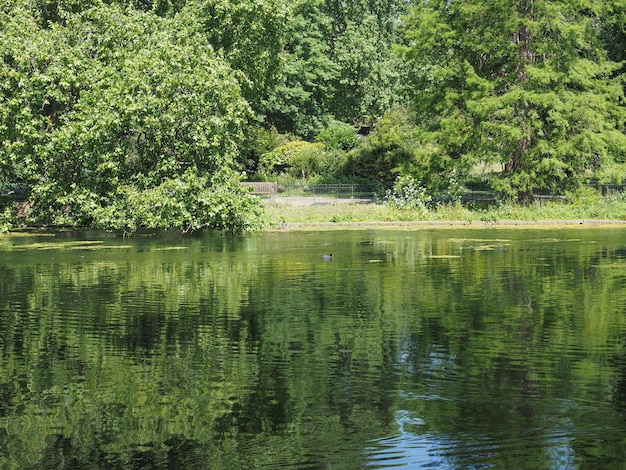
x=524 y=83
x=337 y=62
x=250 y=35
x=300 y=101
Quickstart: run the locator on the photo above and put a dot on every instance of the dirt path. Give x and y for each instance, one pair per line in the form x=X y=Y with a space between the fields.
x=316 y=201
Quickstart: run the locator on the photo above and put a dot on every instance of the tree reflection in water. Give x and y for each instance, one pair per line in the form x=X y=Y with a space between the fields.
x=465 y=348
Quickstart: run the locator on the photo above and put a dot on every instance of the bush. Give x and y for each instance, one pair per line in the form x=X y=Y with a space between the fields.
x=584 y=196
x=299 y=159
x=188 y=202
x=612 y=174
x=259 y=141
x=407 y=193
x=391 y=146
x=6 y=217
x=338 y=136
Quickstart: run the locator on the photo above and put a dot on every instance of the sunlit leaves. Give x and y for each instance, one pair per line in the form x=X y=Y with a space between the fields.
x=535 y=87
x=250 y=35
x=113 y=99
x=365 y=88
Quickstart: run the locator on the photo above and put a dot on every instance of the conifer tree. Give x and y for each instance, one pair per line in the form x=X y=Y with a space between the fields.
x=527 y=84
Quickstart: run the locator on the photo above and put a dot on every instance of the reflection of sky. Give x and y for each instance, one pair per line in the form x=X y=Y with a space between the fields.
x=409 y=448
x=414 y=447
x=415 y=444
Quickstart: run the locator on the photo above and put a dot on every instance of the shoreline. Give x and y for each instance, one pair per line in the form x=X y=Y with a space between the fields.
x=570 y=223
x=361 y=225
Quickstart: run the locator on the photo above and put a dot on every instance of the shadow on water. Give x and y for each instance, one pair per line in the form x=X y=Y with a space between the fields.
x=412 y=348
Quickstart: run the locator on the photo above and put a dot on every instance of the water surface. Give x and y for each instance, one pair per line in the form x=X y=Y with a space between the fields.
x=440 y=348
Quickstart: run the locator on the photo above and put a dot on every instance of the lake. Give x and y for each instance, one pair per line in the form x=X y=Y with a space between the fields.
x=411 y=348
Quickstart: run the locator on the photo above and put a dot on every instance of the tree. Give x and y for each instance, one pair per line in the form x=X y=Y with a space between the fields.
x=360 y=40
x=524 y=83
x=300 y=101
x=365 y=87
x=337 y=62
x=114 y=103
x=249 y=35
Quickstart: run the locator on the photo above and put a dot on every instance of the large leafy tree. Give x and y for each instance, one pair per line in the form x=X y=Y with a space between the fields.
x=300 y=101
x=527 y=84
x=366 y=85
x=250 y=36
x=110 y=105
x=336 y=62
x=361 y=41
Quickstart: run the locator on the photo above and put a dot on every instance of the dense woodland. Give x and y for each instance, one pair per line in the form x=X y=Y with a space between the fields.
x=148 y=113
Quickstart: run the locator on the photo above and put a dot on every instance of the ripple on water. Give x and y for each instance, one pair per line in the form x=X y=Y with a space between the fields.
x=406 y=450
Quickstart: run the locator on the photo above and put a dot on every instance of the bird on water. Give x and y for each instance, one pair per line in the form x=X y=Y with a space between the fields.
x=328 y=257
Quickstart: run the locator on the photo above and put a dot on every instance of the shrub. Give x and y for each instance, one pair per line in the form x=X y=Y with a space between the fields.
x=338 y=136
x=298 y=159
x=392 y=145
x=259 y=141
x=584 y=196
x=187 y=202
x=407 y=193
x=6 y=217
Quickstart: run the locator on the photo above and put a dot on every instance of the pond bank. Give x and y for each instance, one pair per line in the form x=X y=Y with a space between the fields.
x=300 y=213
x=445 y=223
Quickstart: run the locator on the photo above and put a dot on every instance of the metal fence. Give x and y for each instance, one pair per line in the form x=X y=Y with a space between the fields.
x=332 y=190
x=606 y=188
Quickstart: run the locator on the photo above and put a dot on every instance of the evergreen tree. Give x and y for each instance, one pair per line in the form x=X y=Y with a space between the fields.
x=527 y=84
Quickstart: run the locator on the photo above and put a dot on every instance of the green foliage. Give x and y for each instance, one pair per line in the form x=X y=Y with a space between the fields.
x=337 y=62
x=250 y=35
x=299 y=159
x=186 y=203
x=6 y=217
x=97 y=96
x=392 y=145
x=407 y=193
x=366 y=86
x=584 y=196
x=299 y=103
x=338 y=136
x=534 y=89
x=115 y=101
x=612 y=174
x=257 y=142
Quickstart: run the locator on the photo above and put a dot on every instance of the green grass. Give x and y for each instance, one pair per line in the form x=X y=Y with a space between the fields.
x=585 y=207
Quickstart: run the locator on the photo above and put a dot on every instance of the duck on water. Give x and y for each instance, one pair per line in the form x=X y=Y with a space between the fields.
x=328 y=257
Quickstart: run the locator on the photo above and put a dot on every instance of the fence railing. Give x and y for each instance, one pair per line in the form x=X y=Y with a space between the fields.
x=606 y=188
x=348 y=190
x=262 y=187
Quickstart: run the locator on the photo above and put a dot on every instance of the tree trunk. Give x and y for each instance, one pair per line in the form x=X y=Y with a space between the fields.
x=523 y=39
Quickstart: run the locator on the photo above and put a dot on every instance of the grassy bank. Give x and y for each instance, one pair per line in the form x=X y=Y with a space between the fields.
x=583 y=207
x=301 y=211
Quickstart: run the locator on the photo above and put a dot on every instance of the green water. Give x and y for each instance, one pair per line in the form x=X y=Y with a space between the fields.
x=448 y=348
